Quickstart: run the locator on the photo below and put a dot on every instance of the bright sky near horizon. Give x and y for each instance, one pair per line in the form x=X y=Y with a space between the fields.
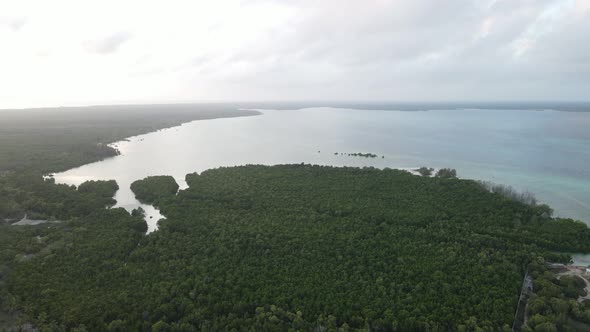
x=76 y=52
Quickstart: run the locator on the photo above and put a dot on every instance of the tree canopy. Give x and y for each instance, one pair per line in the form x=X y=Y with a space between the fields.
x=295 y=247
x=30 y=194
x=153 y=188
x=447 y=173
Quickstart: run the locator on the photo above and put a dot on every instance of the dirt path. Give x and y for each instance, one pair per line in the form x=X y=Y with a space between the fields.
x=580 y=271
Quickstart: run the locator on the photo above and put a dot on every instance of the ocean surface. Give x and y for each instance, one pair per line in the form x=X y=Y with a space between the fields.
x=544 y=152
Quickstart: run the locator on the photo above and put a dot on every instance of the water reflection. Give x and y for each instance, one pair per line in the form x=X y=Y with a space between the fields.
x=530 y=150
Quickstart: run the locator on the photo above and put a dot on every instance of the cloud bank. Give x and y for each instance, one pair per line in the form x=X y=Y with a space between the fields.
x=82 y=52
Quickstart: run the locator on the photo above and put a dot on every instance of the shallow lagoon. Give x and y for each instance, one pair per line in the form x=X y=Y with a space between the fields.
x=544 y=152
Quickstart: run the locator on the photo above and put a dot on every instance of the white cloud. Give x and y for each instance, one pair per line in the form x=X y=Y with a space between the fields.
x=65 y=52
x=108 y=44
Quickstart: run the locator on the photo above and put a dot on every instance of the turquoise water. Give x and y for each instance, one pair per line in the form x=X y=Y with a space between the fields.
x=544 y=152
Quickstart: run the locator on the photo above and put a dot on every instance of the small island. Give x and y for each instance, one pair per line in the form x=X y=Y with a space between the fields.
x=358 y=154
x=153 y=188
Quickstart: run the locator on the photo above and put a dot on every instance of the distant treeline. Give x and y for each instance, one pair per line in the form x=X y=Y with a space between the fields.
x=509 y=192
x=504 y=190
x=56 y=139
x=446 y=173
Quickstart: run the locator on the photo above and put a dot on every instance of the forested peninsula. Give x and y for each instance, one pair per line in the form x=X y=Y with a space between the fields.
x=57 y=139
x=293 y=247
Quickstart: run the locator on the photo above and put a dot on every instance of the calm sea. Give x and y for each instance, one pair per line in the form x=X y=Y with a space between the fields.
x=544 y=152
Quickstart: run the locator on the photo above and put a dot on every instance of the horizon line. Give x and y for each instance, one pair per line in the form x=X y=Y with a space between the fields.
x=319 y=103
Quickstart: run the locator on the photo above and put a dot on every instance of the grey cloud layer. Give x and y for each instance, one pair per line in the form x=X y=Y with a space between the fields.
x=420 y=50
x=427 y=50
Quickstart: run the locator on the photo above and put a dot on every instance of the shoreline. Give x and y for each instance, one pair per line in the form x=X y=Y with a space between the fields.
x=113 y=144
x=209 y=158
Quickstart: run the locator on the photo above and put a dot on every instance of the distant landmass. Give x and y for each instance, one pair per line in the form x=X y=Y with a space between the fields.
x=566 y=106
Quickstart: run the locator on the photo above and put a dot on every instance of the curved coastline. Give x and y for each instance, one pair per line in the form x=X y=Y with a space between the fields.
x=283 y=137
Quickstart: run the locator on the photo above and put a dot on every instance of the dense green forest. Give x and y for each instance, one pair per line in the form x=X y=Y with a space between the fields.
x=425 y=171
x=292 y=247
x=56 y=139
x=558 y=301
x=38 y=198
x=34 y=142
x=154 y=188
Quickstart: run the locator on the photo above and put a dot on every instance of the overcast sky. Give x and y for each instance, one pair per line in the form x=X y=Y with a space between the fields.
x=103 y=52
